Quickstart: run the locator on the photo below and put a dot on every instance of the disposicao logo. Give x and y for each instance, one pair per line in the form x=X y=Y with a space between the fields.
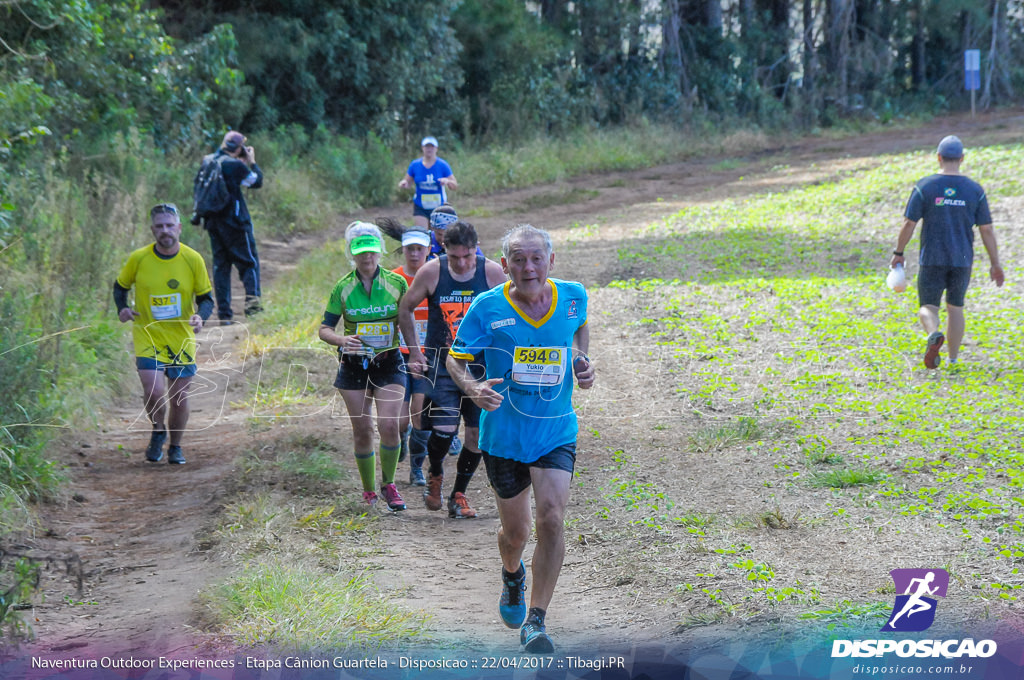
x=914 y=610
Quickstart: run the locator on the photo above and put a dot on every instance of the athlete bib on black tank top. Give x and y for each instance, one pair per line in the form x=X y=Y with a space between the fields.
x=446 y=308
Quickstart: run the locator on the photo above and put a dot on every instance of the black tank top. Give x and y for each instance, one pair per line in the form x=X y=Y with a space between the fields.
x=447 y=306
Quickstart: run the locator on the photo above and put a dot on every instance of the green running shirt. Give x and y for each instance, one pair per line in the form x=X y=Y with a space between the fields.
x=374 y=316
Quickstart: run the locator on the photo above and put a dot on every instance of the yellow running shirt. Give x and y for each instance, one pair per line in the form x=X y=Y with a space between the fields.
x=165 y=290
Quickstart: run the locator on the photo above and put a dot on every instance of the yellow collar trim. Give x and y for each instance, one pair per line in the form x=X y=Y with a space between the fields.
x=507 y=290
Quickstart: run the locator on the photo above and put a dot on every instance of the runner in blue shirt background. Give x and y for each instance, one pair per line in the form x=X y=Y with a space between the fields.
x=432 y=178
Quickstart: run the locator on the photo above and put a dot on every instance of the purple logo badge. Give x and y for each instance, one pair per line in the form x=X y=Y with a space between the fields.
x=914 y=610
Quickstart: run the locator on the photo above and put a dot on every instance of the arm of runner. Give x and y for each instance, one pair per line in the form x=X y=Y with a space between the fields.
x=988 y=237
x=906 y=233
x=581 y=365
x=124 y=312
x=449 y=182
x=480 y=391
x=422 y=285
x=350 y=344
x=406 y=182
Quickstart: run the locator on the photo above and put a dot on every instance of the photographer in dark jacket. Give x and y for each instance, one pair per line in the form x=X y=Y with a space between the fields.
x=231 y=237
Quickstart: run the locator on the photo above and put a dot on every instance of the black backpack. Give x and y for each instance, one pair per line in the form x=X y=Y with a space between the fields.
x=209 y=191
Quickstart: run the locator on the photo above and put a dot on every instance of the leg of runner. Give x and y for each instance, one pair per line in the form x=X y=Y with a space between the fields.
x=437 y=449
x=177 y=420
x=389 y=400
x=928 y=315
x=955 y=326
x=417 y=441
x=468 y=462
x=154 y=394
x=513 y=534
x=551 y=491
x=359 y=407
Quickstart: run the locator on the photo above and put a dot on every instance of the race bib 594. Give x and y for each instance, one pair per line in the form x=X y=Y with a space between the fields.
x=538 y=365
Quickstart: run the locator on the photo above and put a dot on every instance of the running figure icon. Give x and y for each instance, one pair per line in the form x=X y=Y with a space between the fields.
x=920 y=587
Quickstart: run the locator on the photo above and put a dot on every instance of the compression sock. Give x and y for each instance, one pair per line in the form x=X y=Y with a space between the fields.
x=388 y=463
x=466 y=466
x=437 y=449
x=366 y=463
x=418 y=442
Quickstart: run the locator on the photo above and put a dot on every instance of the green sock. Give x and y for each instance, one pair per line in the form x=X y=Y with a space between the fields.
x=388 y=462
x=367 y=465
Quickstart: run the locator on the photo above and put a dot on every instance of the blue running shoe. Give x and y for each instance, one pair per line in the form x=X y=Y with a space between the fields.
x=534 y=638
x=512 y=605
x=175 y=456
x=155 y=450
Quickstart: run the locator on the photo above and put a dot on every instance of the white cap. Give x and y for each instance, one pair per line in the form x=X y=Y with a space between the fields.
x=415 y=237
x=429 y=140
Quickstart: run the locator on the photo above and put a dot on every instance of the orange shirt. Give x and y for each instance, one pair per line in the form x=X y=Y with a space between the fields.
x=419 y=315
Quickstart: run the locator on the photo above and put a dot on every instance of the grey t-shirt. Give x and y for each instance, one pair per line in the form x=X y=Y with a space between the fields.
x=950 y=205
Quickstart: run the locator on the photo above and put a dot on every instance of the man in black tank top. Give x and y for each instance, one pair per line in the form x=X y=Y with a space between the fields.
x=449 y=284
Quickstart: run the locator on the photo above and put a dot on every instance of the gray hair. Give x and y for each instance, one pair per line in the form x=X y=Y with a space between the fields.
x=520 y=231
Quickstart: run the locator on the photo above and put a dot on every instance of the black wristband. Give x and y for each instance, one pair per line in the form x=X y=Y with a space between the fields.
x=898 y=252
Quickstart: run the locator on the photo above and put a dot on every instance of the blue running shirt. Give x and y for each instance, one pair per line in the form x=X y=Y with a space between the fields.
x=535 y=360
x=430 y=192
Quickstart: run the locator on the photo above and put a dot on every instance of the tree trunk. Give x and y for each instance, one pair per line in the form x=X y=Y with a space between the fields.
x=918 y=74
x=809 y=63
x=552 y=12
x=713 y=15
x=672 y=56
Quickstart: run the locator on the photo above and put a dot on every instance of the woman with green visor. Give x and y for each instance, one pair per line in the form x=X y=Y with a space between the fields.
x=371 y=370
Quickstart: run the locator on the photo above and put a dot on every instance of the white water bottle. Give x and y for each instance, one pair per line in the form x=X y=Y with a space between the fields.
x=897 y=279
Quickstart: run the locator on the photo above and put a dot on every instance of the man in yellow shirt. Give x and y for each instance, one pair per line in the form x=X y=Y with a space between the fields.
x=167 y=275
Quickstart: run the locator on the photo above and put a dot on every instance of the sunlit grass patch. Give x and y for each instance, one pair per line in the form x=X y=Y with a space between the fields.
x=307 y=610
x=846 y=478
x=849 y=614
x=715 y=436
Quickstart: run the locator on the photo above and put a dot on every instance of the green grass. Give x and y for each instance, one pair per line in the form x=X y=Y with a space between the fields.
x=293 y=608
x=846 y=478
x=773 y=310
x=714 y=437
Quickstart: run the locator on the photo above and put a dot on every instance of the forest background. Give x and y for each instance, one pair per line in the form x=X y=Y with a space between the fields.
x=105 y=108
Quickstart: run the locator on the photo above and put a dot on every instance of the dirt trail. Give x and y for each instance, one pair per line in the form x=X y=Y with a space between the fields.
x=134 y=525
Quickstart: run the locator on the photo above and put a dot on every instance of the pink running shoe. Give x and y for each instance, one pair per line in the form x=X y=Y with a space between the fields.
x=370 y=498
x=392 y=497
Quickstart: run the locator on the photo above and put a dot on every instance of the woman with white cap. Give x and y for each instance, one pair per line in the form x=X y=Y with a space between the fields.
x=415 y=248
x=371 y=371
x=432 y=178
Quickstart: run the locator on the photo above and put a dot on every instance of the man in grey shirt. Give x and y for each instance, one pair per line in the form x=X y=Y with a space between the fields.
x=951 y=205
